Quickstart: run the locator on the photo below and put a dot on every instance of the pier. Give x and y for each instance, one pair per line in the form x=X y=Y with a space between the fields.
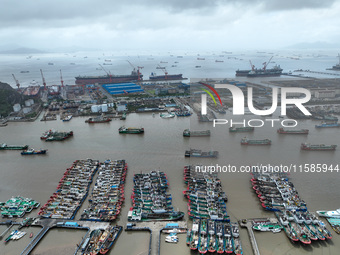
x=155 y=228
x=247 y=223
x=4 y=233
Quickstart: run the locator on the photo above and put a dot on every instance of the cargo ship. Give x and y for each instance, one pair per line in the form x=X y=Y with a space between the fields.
x=125 y=130
x=32 y=151
x=99 y=119
x=293 y=132
x=154 y=77
x=59 y=136
x=337 y=66
x=328 y=125
x=317 y=147
x=263 y=72
x=106 y=79
x=200 y=154
x=188 y=133
x=4 y=146
x=241 y=129
x=246 y=141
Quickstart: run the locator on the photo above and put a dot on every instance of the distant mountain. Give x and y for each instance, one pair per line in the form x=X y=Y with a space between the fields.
x=22 y=50
x=314 y=45
x=8 y=98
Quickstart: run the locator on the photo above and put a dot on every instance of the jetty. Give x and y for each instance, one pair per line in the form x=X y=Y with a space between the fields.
x=155 y=228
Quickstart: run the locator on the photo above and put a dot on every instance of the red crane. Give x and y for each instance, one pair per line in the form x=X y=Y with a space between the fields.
x=61 y=79
x=138 y=68
x=251 y=65
x=43 y=79
x=16 y=81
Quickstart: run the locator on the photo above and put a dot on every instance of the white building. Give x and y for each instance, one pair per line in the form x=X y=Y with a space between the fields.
x=17 y=107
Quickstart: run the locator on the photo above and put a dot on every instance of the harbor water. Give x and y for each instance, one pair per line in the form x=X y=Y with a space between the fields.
x=162 y=147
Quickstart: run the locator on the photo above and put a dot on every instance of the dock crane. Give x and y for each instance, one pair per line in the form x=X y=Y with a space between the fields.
x=138 y=68
x=61 y=79
x=43 y=79
x=16 y=81
x=251 y=65
x=265 y=64
x=164 y=70
x=108 y=72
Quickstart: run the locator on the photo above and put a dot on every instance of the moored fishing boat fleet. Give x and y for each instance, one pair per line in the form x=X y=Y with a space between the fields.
x=150 y=200
x=276 y=193
x=211 y=229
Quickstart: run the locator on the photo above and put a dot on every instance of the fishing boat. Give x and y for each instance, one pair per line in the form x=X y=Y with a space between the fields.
x=194 y=234
x=188 y=133
x=211 y=236
x=237 y=247
x=241 y=129
x=329 y=214
x=203 y=241
x=219 y=237
x=317 y=147
x=67 y=118
x=130 y=130
x=293 y=132
x=4 y=146
x=228 y=240
x=275 y=228
x=32 y=151
x=167 y=115
x=246 y=141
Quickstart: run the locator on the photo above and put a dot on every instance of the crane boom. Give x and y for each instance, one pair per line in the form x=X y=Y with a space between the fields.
x=43 y=79
x=61 y=79
x=108 y=72
x=16 y=81
x=265 y=64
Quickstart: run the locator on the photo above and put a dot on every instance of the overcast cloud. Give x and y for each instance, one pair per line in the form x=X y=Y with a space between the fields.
x=167 y=25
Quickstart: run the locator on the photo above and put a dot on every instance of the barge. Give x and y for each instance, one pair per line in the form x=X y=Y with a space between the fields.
x=246 y=141
x=4 y=146
x=130 y=130
x=201 y=154
x=317 y=147
x=188 y=133
x=293 y=132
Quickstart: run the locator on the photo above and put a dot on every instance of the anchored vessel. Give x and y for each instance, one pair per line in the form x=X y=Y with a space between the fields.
x=328 y=125
x=241 y=129
x=125 y=130
x=32 y=151
x=4 y=146
x=153 y=76
x=105 y=79
x=99 y=119
x=246 y=141
x=317 y=147
x=51 y=135
x=293 y=132
x=201 y=154
x=188 y=133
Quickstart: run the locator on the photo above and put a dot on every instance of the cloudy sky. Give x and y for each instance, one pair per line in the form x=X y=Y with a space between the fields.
x=168 y=24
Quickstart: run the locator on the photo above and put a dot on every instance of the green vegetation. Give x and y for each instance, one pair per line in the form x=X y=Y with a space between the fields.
x=8 y=98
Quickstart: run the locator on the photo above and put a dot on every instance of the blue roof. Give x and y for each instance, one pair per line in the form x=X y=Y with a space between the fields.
x=122 y=88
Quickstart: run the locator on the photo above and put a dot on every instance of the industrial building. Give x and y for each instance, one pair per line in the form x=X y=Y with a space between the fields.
x=122 y=88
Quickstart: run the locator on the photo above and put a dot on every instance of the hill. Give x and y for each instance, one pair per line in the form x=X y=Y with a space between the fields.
x=8 y=98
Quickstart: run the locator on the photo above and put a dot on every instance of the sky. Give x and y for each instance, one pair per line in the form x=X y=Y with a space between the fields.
x=168 y=24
